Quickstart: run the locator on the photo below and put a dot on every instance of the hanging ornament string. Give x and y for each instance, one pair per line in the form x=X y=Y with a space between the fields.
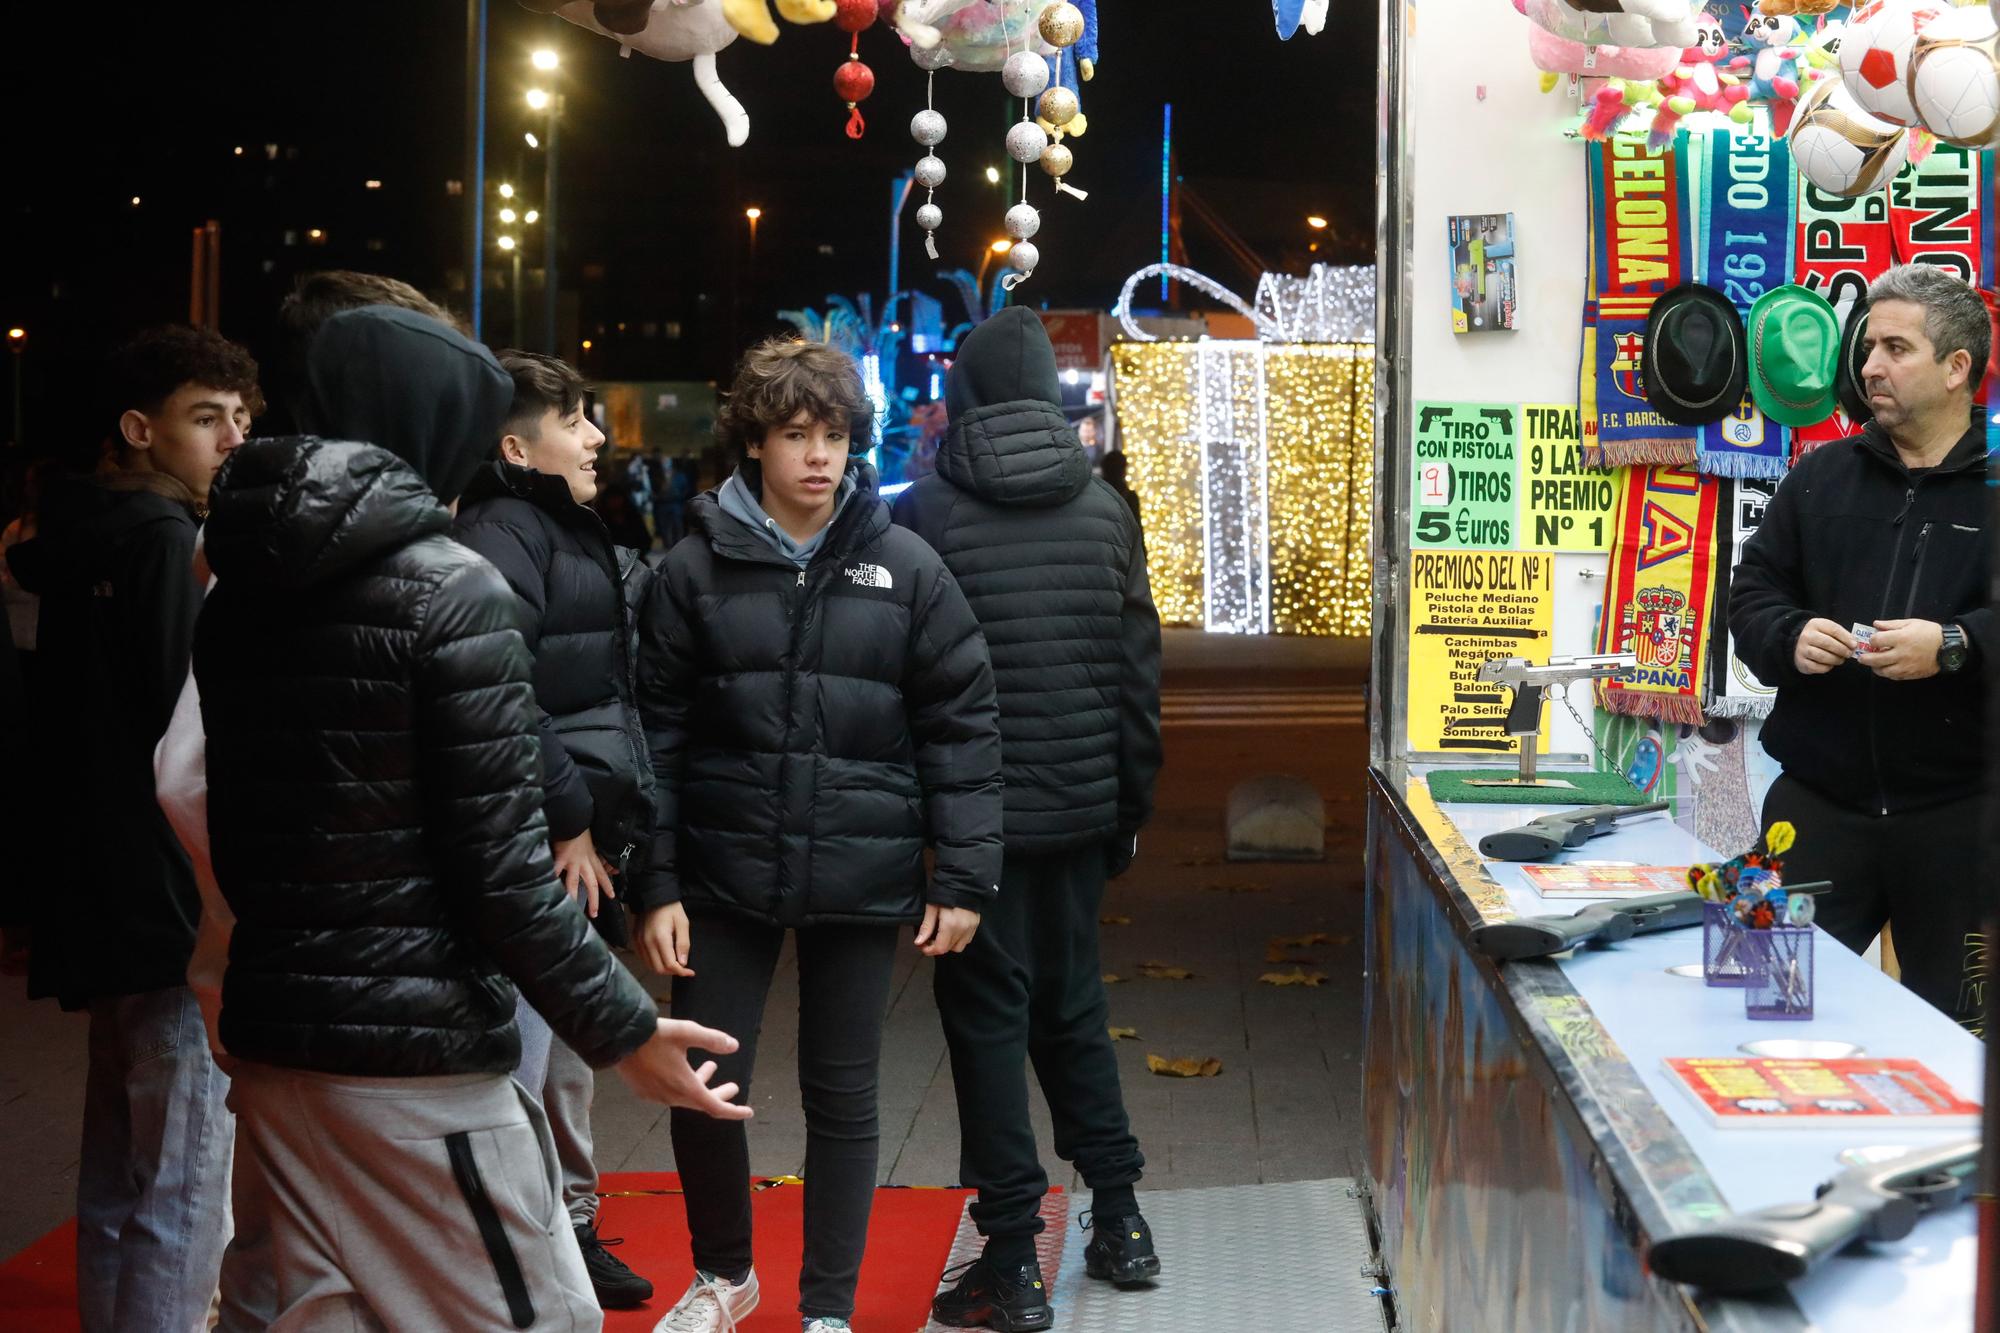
x=853 y=81
x=1061 y=26
x=929 y=216
x=1025 y=74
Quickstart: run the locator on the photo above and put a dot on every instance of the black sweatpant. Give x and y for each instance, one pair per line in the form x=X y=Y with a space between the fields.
x=1031 y=986
x=843 y=996
x=1917 y=871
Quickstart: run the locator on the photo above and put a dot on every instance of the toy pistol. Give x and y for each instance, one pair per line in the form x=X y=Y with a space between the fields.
x=1597 y=925
x=1530 y=684
x=1880 y=1202
x=1546 y=835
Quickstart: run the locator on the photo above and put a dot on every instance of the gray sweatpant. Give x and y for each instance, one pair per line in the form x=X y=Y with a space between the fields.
x=558 y=1078
x=397 y=1203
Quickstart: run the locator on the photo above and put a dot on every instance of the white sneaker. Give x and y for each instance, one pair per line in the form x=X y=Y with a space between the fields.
x=711 y=1305
x=827 y=1326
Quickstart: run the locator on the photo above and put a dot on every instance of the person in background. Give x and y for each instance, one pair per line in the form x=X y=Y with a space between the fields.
x=1862 y=598
x=1054 y=567
x=528 y=511
x=1112 y=468
x=114 y=915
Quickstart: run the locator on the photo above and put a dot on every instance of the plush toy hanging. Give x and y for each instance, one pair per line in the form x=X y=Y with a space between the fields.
x=752 y=18
x=972 y=35
x=1698 y=83
x=853 y=81
x=1292 y=14
x=674 y=33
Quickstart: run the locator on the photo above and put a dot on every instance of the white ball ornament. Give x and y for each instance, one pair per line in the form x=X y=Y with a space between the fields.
x=1955 y=78
x=1025 y=141
x=1025 y=74
x=927 y=127
x=1023 y=221
x=1875 y=51
x=1024 y=256
x=1839 y=147
x=930 y=217
x=930 y=171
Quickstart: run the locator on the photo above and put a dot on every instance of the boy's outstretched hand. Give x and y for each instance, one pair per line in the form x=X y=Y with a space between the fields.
x=946 y=929
x=659 y=1071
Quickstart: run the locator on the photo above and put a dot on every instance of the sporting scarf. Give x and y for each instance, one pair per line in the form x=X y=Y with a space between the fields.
x=1660 y=601
x=1746 y=208
x=1841 y=245
x=1639 y=248
x=1738 y=692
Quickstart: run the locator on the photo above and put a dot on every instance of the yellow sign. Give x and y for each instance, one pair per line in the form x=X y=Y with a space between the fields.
x=1565 y=506
x=1467 y=607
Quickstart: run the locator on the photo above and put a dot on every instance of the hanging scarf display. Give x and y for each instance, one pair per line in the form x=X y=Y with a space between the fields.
x=1840 y=246
x=1746 y=208
x=1639 y=248
x=1660 y=600
x=1738 y=692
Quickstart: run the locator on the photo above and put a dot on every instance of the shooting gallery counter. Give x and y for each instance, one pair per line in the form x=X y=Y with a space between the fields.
x=1525 y=1142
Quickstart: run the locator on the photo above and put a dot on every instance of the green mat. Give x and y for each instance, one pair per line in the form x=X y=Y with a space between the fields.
x=1586 y=788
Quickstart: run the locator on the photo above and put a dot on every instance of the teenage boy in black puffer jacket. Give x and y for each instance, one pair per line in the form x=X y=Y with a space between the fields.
x=375 y=819
x=820 y=708
x=1054 y=567
x=528 y=512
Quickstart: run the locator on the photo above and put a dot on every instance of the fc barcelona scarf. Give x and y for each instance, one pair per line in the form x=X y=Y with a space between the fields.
x=1746 y=233
x=1660 y=602
x=1639 y=248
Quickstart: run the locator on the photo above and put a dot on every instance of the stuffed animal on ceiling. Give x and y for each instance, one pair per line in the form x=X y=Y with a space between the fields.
x=752 y=18
x=1293 y=14
x=972 y=35
x=611 y=16
x=1562 y=41
x=1635 y=23
x=674 y=32
x=1698 y=83
x=1772 y=64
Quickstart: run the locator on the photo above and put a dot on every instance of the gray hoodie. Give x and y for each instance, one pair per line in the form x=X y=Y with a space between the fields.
x=741 y=503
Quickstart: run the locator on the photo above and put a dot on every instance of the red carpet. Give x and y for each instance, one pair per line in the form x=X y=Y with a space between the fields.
x=908 y=1239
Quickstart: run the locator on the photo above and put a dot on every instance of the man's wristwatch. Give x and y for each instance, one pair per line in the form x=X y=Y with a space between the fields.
x=1953 y=652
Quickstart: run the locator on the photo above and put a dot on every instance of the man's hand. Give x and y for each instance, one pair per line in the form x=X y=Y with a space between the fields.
x=946 y=929
x=663 y=940
x=578 y=863
x=1822 y=646
x=659 y=1070
x=1119 y=854
x=1904 y=649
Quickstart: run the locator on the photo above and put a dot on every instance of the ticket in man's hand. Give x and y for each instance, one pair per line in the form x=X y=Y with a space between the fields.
x=1864 y=636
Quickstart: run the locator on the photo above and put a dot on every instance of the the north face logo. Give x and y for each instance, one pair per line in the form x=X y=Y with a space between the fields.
x=870 y=576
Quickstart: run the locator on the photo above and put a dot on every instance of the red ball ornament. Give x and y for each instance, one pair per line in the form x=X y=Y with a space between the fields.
x=854 y=15
x=853 y=81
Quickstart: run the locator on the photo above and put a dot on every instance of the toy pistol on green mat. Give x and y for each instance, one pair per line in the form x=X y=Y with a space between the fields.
x=1598 y=924
x=1774 y=1245
x=1546 y=835
x=1524 y=715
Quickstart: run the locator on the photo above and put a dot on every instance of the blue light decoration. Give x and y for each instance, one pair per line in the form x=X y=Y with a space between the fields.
x=1166 y=192
x=937 y=387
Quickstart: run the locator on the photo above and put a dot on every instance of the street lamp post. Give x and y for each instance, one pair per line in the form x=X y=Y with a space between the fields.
x=979 y=282
x=547 y=62
x=17 y=344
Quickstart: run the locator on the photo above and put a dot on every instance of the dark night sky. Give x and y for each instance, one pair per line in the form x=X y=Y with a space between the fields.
x=150 y=100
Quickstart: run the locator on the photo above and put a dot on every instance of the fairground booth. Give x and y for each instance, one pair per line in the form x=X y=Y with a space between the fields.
x=1611 y=1061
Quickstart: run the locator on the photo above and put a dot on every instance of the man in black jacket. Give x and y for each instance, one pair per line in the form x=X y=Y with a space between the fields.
x=114 y=905
x=1862 y=598
x=528 y=512
x=375 y=813
x=1054 y=567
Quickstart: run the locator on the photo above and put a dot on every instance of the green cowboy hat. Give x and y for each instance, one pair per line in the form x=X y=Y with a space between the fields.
x=1794 y=356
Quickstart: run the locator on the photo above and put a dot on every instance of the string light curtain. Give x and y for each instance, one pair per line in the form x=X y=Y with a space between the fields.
x=1254 y=467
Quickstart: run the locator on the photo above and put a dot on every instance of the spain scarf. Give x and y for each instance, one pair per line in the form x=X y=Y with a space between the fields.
x=1746 y=249
x=1659 y=603
x=1639 y=248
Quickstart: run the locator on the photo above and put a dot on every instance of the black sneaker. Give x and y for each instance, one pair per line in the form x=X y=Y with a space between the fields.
x=986 y=1295
x=1121 y=1252
x=617 y=1287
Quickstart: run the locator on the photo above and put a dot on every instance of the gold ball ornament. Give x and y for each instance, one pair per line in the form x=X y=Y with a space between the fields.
x=1057 y=160
x=1058 y=106
x=1061 y=25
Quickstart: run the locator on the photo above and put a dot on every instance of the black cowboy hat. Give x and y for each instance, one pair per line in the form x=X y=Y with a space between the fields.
x=1695 y=364
x=1848 y=382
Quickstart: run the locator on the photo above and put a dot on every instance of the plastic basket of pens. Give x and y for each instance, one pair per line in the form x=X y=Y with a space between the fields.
x=1781 y=972
x=1722 y=953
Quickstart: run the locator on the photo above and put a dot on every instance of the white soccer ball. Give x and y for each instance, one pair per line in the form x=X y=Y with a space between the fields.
x=1839 y=147
x=1875 y=54
x=1955 y=78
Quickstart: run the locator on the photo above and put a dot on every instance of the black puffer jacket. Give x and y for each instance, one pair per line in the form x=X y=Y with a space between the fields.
x=812 y=729
x=1053 y=565
x=1852 y=536
x=557 y=557
x=375 y=807
x=105 y=883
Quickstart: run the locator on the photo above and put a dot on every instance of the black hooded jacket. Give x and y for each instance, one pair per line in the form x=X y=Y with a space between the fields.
x=557 y=557
x=375 y=804
x=812 y=729
x=1052 y=561
x=113 y=903
x=1853 y=537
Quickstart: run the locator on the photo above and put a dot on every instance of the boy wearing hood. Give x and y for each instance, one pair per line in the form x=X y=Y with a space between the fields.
x=820 y=709
x=114 y=917
x=375 y=814
x=528 y=511
x=1054 y=567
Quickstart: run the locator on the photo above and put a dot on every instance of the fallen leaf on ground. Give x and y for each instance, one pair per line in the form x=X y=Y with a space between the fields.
x=1113 y=919
x=1164 y=972
x=1185 y=1067
x=1112 y=978
x=1237 y=886
x=1300 y=941
x=1274 y=954
x=1123 y=1034
x=1295 y=977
